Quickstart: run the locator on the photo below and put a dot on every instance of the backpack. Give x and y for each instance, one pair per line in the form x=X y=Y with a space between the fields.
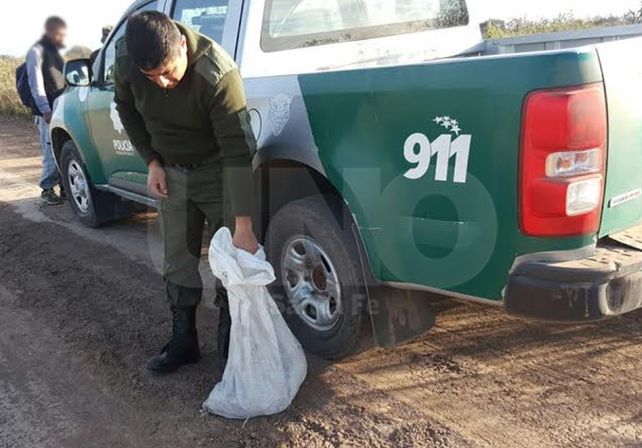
x=22 y=86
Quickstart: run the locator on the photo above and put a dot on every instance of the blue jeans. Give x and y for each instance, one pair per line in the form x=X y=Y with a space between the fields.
x=49 y=177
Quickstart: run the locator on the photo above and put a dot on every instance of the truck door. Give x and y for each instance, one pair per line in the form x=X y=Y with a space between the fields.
x=623 y=84
x=122 y=165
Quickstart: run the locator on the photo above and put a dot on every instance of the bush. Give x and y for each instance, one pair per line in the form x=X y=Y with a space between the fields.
x=78 y=52
x=496 y=29
x=10 y=104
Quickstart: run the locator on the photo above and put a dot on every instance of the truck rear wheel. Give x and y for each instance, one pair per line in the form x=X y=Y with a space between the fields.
x=91 y=206
x=319 y=284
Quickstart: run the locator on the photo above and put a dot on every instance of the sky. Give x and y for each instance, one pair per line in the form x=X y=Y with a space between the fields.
x=21 y=21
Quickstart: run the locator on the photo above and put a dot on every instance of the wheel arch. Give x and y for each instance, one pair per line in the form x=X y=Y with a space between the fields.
x=61 y=135
x=294 y=167
x=279 y=169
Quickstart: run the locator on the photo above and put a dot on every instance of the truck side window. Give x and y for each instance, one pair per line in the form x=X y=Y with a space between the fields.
x=204 y=16
x=110 y=55
x=110 y=50
x=290 y=24
x=307 y=17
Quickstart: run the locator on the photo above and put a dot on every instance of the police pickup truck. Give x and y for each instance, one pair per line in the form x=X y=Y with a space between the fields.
x=395 y=161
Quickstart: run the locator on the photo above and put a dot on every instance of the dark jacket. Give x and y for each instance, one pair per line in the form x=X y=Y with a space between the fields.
x=204 y=116
x=45 y=69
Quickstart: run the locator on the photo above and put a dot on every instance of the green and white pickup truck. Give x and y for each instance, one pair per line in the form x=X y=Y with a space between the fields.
x=394 y=157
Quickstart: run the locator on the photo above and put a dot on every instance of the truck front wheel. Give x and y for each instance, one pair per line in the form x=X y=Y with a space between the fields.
x=91 y=206
x=319 y=284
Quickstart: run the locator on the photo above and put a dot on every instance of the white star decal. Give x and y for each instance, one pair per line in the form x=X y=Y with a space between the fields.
x=449 y=123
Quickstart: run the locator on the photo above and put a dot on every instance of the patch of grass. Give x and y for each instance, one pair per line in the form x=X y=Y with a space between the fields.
x=10 y=104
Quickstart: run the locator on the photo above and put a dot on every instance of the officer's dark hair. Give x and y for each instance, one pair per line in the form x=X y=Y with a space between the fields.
x=152 y=38
x=54 y=23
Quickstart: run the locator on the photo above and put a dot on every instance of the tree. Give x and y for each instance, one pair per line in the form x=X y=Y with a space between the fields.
x=77 y=52
x=633 y=16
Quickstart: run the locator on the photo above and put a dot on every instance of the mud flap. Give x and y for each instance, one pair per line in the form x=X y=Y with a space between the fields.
x=396 y=315
x=631 y=237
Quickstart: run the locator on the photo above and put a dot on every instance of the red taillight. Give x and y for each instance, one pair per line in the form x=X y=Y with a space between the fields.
x=563 y=159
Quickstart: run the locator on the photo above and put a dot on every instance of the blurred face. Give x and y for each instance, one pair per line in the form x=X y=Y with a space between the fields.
x=57 y=35
x=170 y=73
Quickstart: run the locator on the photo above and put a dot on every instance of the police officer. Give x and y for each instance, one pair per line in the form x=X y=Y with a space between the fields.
x=181 y=100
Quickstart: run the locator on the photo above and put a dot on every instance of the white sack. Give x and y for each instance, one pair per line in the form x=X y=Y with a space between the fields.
x=266 y=364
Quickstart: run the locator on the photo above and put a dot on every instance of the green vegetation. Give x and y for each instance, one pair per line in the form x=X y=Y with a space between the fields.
x=10 y=104
x=496 y=29
x=77 y=52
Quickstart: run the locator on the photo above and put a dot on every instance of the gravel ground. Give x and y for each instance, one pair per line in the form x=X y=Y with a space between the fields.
x=81 y=310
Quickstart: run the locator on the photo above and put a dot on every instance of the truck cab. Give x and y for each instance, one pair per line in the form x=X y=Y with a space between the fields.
x=396 y=159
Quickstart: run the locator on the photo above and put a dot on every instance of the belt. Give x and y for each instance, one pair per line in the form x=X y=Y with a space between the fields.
x=186 y=167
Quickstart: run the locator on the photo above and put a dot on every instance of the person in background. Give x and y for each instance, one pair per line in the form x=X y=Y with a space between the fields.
x=46 y=81
x=106 y=32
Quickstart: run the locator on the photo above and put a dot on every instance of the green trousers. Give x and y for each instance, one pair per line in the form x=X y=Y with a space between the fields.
x=195 y=199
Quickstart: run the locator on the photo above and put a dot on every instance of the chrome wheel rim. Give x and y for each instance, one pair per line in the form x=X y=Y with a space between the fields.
x=79 y=186
x=311 y=283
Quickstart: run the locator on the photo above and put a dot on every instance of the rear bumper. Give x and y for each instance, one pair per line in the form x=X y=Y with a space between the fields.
x=605 y=285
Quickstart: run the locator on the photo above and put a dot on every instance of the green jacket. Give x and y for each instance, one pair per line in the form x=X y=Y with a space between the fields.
x=204 y=116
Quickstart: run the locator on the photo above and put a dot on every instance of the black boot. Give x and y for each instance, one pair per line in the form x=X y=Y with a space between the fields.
x=224 y=328
x=183 y=348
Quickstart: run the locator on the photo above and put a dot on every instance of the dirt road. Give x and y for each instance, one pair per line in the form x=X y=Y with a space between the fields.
x=81 y=310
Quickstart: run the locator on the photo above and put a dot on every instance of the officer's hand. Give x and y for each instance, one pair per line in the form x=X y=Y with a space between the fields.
x=156 y=181
x=244 y=237
x=47 y=117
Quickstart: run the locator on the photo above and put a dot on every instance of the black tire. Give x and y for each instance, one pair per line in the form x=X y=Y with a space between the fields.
x=98 y=207
x=323 y=221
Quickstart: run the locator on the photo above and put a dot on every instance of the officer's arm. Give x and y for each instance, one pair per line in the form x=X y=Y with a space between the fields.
x=231 y=123
x=131 y=118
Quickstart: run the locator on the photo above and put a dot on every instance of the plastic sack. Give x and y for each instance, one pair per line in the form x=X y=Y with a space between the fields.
x=266 y=364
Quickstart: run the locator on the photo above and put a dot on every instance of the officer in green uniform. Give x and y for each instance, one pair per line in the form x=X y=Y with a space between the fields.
x=181 y=99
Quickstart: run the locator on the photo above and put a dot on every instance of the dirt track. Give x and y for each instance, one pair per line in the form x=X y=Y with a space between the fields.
x=81 y=310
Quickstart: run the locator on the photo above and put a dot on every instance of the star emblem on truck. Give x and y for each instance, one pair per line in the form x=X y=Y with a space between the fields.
x=449 y=123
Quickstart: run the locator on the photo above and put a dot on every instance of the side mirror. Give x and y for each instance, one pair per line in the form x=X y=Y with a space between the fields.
x=78 y=73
